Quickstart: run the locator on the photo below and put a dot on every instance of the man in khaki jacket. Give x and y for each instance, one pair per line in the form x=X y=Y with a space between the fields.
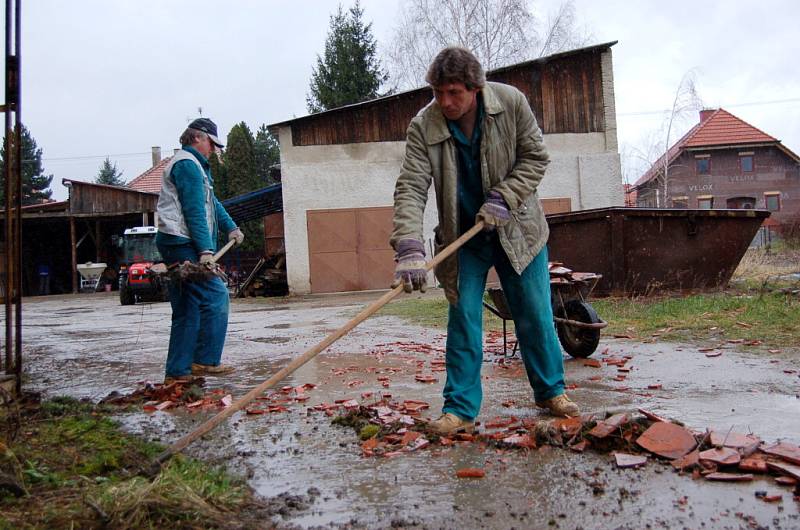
x=479 y=144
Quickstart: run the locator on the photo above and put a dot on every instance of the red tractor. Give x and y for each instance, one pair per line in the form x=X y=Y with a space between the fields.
x=139 y=253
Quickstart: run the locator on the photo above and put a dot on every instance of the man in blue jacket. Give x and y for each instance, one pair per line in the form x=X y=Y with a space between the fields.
x=190 y=219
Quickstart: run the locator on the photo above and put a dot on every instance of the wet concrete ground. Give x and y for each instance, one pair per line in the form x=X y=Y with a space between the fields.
x=313 y=473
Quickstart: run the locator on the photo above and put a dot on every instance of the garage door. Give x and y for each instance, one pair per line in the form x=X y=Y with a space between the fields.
x=349 y=249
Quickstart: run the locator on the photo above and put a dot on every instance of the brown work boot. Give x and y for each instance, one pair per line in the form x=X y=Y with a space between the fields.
x=450 y=424
x=209 y=369
x=560 y=405
x=181 y=379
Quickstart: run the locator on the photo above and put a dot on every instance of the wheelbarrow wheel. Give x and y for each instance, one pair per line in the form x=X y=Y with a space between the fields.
x=578 y=342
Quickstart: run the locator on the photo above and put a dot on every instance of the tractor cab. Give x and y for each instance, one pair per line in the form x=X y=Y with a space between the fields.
x=139 y=253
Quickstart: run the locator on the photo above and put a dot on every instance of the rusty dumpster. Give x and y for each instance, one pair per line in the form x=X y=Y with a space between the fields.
x=640 y=251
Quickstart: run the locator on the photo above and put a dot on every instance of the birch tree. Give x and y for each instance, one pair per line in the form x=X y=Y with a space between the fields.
x=498 y=32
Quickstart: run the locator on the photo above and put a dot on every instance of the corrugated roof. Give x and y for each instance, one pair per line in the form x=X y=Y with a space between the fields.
x=718 y=129
x=150 y=180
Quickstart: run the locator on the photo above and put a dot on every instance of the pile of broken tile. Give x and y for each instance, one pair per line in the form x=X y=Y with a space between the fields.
x=633 y=440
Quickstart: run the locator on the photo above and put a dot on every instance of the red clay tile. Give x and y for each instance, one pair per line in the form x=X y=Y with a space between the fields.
x=786 y=481
x=580 y=446
x=730 y=477
x=789 y=470
x=423 y=378
x=772 y=498
x=753 y=465
x=470 y=472
x=606 y=427
x=594 y=363
x=734 y=439
x=785 y=450
x=667 y=440
x=723 y=456
x=687 y=461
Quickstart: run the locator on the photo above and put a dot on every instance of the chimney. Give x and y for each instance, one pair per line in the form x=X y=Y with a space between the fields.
x=706 y=113
x=156 y=155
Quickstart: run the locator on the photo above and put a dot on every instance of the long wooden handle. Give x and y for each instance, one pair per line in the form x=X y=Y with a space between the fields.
x=212 y=422
x=221 y=252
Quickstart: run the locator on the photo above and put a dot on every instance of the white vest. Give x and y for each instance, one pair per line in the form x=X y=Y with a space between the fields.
x=170 y=211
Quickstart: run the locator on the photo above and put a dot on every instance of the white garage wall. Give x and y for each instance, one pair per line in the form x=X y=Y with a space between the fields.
x=363 y=175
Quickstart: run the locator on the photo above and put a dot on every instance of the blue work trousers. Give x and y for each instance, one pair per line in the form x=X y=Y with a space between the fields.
x=528 y=296
x=199 y=317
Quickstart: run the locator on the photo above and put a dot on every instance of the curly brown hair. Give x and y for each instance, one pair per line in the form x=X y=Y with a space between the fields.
x=456 y=65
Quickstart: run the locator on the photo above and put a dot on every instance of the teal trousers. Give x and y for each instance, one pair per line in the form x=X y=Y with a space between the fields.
x=528 y=296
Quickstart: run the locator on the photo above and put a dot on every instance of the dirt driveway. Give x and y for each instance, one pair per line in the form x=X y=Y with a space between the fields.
x=314 y=473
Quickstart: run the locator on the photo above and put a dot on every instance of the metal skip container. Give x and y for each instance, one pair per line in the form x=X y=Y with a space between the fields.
x=641 y=251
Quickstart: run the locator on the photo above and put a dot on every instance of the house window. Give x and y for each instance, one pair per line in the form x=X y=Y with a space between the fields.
x=772 y=201
x=705 y=202
x=680 y=202
x=739 y=203
x=746 y=162
x=703 y=163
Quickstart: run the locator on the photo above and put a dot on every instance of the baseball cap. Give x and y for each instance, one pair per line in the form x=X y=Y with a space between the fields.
x=208 y=127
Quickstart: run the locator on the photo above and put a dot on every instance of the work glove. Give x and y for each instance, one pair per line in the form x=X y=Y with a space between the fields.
x=410 y=269
x=237 y=235
x=207 y=259
x=494 y=212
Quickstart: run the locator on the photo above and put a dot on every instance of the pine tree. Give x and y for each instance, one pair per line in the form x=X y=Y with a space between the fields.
x=240 y=161
x=35 y=184
x=109 y=174
x=220 y=175
x=350 y=71
x=268 y=153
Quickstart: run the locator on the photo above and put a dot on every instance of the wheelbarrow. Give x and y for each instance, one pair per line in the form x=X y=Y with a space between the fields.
x=576 y=321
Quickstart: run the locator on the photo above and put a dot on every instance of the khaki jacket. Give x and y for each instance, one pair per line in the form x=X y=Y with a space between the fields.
x=513 y=162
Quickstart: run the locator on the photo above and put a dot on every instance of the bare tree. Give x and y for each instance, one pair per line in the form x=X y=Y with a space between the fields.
x=499 y=32
x=686 y=103
x=653 y=151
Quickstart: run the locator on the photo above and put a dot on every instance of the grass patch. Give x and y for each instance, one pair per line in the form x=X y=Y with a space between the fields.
x=432 y=313
x=77 y=469
x=770 y=317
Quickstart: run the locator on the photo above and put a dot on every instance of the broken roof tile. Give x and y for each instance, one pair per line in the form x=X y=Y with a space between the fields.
x=667 y=440
x=625 y=460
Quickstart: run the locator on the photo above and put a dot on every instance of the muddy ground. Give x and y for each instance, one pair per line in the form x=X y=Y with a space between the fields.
x=313 y=473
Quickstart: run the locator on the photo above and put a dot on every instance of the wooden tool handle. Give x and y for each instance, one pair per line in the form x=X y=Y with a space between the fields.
x=212 y=422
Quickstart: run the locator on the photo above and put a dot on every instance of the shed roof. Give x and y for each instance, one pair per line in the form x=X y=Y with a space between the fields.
x=255 y=204
x=539 y=60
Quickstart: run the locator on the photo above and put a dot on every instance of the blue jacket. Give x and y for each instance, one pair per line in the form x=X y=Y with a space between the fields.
x=199 y=216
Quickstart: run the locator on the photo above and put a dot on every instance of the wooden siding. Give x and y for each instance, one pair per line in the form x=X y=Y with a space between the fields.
x=565 y=92
x=91 y=199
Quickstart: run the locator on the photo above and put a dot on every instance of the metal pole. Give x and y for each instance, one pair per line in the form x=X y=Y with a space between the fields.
x=18 y=201
x=7 y=294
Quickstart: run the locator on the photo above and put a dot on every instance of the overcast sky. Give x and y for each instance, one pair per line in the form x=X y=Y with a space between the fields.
x=113 y=78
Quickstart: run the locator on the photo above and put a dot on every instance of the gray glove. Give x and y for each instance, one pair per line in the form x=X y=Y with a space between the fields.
x=410 y=270
x=237 y=235
x=207 y=259
x=494 y=212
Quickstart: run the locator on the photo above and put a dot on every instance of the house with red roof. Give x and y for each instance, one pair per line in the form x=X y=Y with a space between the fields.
x=724 y=162
x=150 y=180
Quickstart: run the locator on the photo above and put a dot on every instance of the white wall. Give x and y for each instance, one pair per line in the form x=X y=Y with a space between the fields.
x=363 y=175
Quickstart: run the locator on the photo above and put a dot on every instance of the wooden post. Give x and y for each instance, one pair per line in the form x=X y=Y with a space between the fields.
x=74 y=247
x=97 y=241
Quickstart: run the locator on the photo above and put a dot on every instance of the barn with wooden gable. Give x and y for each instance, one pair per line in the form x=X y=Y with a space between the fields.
x=339 y=167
